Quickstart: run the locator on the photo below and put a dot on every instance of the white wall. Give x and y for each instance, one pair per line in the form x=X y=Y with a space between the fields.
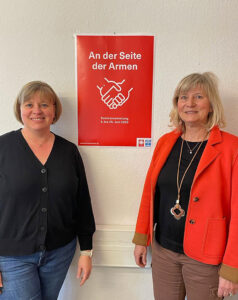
x=37 y=42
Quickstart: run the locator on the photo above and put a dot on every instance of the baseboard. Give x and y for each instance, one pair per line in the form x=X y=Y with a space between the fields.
x=113 y=247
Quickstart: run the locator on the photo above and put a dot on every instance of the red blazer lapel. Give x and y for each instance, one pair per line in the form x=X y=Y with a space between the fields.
x=210 y=153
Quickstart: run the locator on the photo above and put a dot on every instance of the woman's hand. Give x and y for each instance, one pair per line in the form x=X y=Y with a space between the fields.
x=140 y=254
x=227 y=288
x=84 y=268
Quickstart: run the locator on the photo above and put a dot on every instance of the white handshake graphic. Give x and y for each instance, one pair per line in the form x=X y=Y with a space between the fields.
x=113 y=96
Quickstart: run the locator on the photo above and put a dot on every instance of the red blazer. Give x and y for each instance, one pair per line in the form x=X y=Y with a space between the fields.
x=211 y=228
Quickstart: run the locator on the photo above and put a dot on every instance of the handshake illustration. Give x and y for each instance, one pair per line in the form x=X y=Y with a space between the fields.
x=113 y=96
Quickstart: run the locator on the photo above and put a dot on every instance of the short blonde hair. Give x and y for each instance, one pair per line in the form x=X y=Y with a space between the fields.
x=29 y=90
x=208 y=82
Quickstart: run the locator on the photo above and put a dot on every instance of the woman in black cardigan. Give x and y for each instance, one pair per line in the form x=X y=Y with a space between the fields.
x=44 y=202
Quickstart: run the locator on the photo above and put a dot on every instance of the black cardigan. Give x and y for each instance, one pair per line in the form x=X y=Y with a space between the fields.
x=42 y=206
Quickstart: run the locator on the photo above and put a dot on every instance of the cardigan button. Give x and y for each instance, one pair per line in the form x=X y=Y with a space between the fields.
x=44 y=189
x=43 y=171
x=195 y=199
x=192 y=221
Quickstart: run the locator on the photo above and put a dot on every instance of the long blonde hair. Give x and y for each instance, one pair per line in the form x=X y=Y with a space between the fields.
x=208 y=82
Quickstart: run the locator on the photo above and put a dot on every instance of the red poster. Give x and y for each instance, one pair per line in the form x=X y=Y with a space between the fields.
x=114 y=82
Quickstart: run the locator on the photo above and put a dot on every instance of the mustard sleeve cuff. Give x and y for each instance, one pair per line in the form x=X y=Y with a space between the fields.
x=229 y=273
x=140 y=239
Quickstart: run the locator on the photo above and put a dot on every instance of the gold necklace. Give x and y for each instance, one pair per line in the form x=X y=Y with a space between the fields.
x=39 y=145
x=177 y=206
x=191 y=150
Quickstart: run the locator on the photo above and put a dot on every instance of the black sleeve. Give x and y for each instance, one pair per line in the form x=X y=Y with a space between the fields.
x=85 y=217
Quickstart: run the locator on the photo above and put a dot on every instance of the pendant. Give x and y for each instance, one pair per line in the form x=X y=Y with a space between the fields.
x=173 y=211
x=190 y=152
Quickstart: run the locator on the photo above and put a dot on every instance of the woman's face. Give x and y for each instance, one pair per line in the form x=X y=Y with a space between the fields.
x=194 y=107
x=37 y=113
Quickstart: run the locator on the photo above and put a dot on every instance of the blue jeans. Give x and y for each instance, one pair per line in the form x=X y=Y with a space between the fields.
x=38 y=276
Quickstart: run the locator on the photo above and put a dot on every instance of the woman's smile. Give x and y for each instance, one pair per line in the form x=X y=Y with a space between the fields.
x=37 y=113
x=194 y=107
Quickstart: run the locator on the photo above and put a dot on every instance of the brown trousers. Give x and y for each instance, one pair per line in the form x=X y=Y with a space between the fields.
x=176 y=275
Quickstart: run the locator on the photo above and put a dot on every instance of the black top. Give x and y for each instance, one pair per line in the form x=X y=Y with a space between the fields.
x=42 y=206
x=169 y=231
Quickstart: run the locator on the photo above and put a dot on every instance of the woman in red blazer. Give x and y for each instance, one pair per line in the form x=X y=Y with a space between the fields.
x=191 y=196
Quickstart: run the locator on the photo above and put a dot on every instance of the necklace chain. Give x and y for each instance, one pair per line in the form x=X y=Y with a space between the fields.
x=177 y=206
x=38 y=144
x=179 y=185
x=191 y=150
